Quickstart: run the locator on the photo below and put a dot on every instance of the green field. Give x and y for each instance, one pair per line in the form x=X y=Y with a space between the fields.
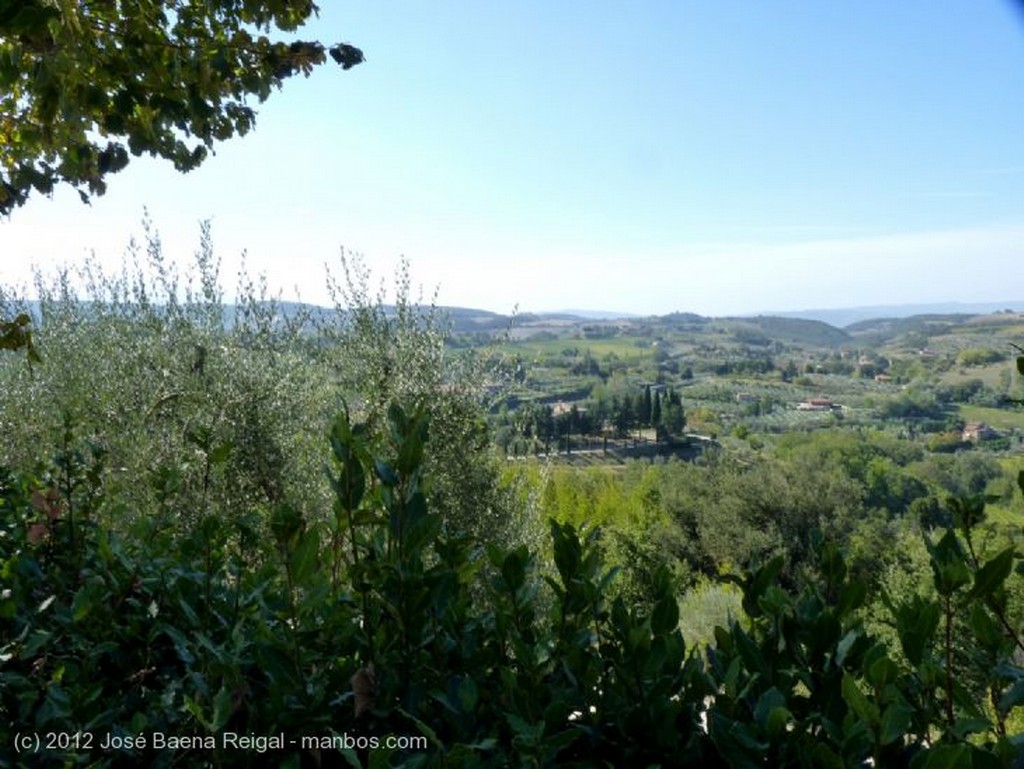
x=991 y=375
x=1000 y=419
x=624 y=348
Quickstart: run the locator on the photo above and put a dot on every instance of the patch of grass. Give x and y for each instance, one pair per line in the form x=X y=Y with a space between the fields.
x=624 y=347
x=989 y=374
x=1000 y=419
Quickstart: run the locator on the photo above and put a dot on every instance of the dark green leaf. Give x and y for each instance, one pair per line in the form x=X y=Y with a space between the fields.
x=845 y=644
x=858 y=702
x=1012 y=697
x=992 y=575
x=766 y=703
x=220 y=454
x=385 y=473
x=949 y=565
x=916 y=623
x=948 y=757
x=304 y=557
x=665 y=617
x=896 y=720
x=882 y=672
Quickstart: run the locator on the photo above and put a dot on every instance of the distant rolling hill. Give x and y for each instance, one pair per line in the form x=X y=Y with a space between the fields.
x=594 y=314
x=821 y=327
x=807 y=331
x=846 y=316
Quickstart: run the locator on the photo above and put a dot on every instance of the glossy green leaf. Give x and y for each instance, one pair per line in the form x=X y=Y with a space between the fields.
x=845 y=644
x=992 y=574
x=1012 y=697
x=385 y=473
x=858 y=702
x=665 y=617
x=882 y=672
x=771 y=700
x=304 y=557
x=949 y=565
x=948 y=757
x=896 y=719
x=916 y=623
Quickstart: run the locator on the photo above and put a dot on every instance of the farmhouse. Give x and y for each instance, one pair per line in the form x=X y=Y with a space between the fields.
x=561 y=408
x=816 y=404
x=977 y=431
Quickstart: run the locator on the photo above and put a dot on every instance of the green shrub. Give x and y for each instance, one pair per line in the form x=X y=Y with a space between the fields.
x=706 y=606
x=979 y=356
x=378 y=621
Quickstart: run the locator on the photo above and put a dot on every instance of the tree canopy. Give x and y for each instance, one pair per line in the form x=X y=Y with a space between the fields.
x=83 y=83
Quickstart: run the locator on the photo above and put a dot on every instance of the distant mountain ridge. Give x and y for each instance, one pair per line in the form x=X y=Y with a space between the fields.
x=595 y=314
x=806 y=330
x=847 y=316
x=844 y=320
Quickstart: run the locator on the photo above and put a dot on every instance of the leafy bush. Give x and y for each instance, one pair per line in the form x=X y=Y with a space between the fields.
x=913 y=404
x=377 y=621
x=979 y=356
x=206 y=408
x=708 y=605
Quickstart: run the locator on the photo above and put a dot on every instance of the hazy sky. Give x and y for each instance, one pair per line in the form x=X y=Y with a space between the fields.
x=691 y=155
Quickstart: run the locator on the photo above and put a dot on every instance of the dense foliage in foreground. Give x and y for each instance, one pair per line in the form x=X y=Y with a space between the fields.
x=378 y=621
x=181 y=585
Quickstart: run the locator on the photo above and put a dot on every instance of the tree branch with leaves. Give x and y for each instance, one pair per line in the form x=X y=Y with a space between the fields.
x=15 y=335
x=83 y=84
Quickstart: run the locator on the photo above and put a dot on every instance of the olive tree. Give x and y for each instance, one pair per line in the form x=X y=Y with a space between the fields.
x=396 y=352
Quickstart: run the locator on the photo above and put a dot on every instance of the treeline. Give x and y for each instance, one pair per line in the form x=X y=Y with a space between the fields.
x=863 y=490
x=543 y=427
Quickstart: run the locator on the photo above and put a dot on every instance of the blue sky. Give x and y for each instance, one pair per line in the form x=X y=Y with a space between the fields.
x=648 y=157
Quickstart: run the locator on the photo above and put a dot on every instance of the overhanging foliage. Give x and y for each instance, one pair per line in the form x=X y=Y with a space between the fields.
x=83 y=84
